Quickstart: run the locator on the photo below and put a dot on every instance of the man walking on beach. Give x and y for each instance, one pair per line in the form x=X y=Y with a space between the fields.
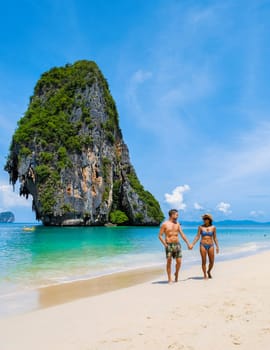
x=171 y=228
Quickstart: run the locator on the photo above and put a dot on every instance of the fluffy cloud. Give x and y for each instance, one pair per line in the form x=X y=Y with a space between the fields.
x=224 y=207
x=197 y=206
x=176 y=198
x=10 y=199
x=256 y=213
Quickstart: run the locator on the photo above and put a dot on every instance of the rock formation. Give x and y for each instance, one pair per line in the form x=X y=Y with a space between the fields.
x=68 y=153
x=7 y=217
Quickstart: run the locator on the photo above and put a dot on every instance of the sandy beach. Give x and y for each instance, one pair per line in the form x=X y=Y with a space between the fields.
x=231 y=311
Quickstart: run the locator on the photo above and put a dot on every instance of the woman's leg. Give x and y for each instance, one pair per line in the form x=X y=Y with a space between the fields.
x=211 y=256
x=203 y=252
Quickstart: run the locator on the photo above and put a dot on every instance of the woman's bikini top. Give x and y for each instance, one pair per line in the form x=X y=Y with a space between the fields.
x=205 y=233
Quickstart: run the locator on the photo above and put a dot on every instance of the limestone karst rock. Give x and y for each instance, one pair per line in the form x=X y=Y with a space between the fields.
x=7 y=217
x=69 y=154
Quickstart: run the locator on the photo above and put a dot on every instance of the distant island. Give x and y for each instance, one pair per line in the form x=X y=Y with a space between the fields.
x=7 y=217
x=69 y=154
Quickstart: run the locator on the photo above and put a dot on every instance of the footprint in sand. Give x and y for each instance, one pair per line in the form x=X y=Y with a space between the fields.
x=248 y=309
x=205 y=307
x=120 y=340
x=229 y=317
x=229 y=303
x=266 y=330
x=235 y=339
x=176 y=346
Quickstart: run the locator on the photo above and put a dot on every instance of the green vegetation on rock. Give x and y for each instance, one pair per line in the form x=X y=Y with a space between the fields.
x=47 y=121
x=118 y=217
x=152 y=205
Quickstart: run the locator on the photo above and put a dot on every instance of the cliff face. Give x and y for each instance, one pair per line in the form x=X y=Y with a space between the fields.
x=68 y=153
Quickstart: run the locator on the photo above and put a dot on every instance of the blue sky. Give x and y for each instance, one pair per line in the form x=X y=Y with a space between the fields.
x=190 y=80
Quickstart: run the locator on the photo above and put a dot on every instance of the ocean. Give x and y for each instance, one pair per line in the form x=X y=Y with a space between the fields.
x=53 y=255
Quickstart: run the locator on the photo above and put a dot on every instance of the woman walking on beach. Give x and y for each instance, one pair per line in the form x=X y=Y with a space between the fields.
x=208 y=235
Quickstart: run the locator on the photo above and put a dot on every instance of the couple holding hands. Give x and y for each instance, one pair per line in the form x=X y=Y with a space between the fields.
x=207 y=232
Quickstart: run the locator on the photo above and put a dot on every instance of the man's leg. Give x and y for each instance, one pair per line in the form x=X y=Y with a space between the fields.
x=177 y=268
x=203 y=252
x=169 y=269
x=211 y=256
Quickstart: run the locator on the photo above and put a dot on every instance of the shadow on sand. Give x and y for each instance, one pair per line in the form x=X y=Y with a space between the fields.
x=160 y=282
x=196 y=278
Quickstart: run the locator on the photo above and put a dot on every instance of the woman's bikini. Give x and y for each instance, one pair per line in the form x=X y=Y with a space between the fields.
x=205 y=234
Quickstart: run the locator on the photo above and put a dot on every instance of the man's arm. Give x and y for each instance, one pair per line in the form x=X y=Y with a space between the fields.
x=197 y=237
x=215 y=240
x=160 y=235
x=184 y=237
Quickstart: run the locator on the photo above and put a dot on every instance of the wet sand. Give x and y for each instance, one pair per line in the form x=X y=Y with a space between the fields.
x=67 y=292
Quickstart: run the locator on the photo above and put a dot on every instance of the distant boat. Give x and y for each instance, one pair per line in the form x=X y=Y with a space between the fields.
x=29 y=228
x=109 y=224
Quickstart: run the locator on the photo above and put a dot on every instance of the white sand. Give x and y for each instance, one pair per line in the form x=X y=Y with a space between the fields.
x=231 y=311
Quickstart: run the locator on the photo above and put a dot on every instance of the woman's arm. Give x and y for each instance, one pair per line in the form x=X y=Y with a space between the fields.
x=197 y=237
x=215 y=240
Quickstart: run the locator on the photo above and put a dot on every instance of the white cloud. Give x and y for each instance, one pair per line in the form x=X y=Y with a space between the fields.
x=140 y=76
x=256 y=213
x=224 y=207
x=10 y=199
x=176 y=198
x=197 y=206
x=193 y=86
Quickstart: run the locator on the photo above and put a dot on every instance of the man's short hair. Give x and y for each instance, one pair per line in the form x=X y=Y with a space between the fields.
x=172 y=211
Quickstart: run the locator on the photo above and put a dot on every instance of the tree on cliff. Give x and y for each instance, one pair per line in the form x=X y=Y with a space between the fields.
x=69 y=154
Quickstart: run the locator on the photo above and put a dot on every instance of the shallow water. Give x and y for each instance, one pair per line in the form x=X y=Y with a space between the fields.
x=52 y=255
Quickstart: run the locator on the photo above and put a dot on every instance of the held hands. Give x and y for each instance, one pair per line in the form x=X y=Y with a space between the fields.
x=190 y=247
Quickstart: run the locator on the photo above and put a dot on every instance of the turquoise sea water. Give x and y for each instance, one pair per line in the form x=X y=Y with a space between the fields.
x=48 y=255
